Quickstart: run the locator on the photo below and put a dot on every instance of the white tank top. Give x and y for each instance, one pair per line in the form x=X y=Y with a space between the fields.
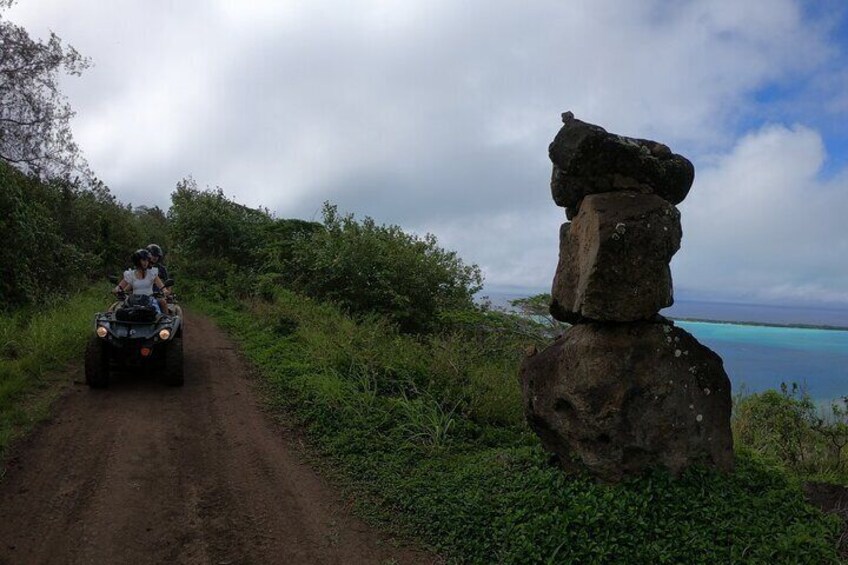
x=141 y=286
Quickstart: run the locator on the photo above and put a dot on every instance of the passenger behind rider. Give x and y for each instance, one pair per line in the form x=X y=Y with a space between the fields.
x=142 y=278
x=157 y=256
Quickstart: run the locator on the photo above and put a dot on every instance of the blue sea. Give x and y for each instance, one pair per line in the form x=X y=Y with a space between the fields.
x=760 y=357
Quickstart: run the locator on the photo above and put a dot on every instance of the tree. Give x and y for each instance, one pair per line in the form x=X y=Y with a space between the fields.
x=35 y=131
x=538 y=307
x=205 y=224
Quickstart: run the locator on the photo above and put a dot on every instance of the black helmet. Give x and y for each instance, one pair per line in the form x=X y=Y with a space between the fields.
x=155 y=250
x=138 y=256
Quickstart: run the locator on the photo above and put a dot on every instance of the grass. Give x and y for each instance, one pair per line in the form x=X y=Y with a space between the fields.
x=429 y=433
x=791 y=431
x=34 y=345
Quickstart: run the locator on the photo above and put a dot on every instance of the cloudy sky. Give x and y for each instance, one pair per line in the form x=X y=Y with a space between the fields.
x=436 y=115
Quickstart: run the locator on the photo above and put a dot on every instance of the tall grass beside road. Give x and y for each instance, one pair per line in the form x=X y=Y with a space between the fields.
x=428 y=432
x=35 y=343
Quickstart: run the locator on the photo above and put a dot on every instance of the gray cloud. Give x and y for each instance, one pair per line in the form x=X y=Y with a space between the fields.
x=437 y=115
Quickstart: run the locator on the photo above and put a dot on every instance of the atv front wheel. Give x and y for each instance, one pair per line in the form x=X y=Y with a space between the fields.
x=97 y=363
x=174 y=362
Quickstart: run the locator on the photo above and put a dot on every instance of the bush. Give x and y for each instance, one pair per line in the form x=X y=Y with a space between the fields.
x=57 y=236
x=377 y=269
x=788 y=428
x=206 y=226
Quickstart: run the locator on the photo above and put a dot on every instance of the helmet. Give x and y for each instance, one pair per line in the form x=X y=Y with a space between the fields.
x=138 y=255
x=155 y=251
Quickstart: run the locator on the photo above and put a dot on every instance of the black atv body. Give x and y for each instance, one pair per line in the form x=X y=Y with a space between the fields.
x=133 y=336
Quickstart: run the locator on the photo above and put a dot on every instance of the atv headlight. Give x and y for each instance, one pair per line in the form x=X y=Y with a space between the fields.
x=102 y=331
x=164 y=334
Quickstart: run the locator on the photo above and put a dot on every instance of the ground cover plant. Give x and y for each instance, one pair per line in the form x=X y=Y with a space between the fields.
x=34 y=343
x=429 y=431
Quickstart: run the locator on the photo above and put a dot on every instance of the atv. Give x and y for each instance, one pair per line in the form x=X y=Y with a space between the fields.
x=133 y=335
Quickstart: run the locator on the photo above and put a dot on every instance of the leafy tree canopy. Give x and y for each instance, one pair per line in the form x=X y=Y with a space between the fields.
x=369 y=268
x=35 y=131
x=205 y=225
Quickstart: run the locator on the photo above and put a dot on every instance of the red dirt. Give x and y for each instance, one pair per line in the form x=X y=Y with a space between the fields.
x=142 y=473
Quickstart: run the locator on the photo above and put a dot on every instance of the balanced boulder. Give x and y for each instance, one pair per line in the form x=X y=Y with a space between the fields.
x=618 y=399
x=589 y=160
x=622 y=390
x=614 y=259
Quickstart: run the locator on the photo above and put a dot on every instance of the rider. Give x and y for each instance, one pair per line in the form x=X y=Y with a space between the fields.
x=156 y=258
x=142 y=278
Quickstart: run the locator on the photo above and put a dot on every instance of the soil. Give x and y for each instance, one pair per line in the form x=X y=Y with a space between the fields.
x=833 y=499
x=143 y=473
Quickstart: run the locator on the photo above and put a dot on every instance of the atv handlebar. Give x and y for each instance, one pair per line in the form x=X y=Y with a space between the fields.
x=122 y=295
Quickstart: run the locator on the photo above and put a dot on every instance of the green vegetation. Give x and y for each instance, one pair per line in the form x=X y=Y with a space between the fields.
x=60 y=228
x=35 y=129
x=787 y=428
x=365 y=268
x=371 y=269
x=424 y=421
x=429 y=431
x=369 y=338
x=34 y=343
x=59 y=236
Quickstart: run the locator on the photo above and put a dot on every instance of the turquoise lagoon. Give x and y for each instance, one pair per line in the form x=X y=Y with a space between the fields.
x=760 y=357
x=757 y=358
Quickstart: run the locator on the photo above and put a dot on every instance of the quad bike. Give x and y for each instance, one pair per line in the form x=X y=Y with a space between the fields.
x=133 y=335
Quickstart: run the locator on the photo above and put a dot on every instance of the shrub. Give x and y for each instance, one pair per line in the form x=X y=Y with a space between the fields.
x=57 y=232
x=378 y=269
x=206 y=226
x=787 y=427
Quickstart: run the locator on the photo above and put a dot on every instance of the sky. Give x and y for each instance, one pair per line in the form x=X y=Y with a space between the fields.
x=436 y=115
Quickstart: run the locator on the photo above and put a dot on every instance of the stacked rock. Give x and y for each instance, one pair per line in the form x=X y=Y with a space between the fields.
x=622 y=390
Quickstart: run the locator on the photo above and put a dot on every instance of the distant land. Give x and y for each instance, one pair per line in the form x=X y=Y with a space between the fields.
x=819 y=317
x=799 y=316
x=762 y=345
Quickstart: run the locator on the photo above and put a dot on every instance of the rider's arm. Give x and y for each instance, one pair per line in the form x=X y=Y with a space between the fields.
x=122 y=286
x=158 y=282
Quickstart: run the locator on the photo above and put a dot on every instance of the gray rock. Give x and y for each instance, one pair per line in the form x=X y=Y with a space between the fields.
x=618 y=399
x=589 y=160
x=614 y=259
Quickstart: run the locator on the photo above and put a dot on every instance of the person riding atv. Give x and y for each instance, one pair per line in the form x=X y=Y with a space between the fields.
x=137 y=331
x=157 y=259
x=144 y=279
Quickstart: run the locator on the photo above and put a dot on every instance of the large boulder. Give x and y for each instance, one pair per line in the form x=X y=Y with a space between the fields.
x=589 y=160
x=618 y=399
x=614 y=259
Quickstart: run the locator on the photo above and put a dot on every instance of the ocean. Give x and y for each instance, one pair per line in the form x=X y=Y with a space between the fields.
x=757 y=358
x=760 y=357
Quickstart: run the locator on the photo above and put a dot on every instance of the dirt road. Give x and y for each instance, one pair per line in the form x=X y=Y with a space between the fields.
x=142 y=473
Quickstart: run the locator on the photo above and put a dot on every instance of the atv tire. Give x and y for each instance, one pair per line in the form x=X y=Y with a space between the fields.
x=97 y=363
x=173 y=373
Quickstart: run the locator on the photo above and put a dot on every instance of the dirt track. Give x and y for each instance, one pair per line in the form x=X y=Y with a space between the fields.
x=141 y=473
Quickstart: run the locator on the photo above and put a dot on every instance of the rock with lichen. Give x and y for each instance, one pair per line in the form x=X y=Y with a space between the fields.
x=614 y=259
x=589 y=160
x=623 y=390
x=618 y=399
